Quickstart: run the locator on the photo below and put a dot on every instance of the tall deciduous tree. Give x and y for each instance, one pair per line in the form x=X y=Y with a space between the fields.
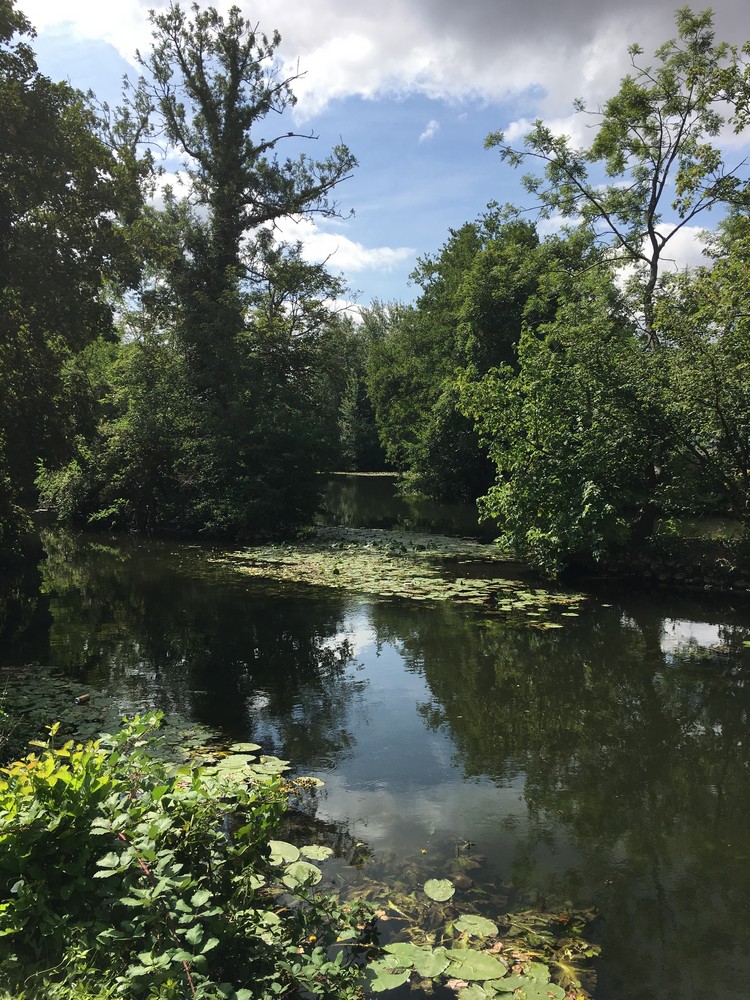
x=237 y=318
x=656 y=143
x=59 y=245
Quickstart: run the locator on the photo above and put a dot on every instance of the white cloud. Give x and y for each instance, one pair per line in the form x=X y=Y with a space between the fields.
x=339 y=251
x=574 y=126
x=544 y=53
x=123 y=25
x=684 y=250
x=430 y=129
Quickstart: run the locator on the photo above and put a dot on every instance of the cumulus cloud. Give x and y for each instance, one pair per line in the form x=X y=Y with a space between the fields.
x=540 y=53
x=686 y=248
x=575 y=127
x=430 y=129
x=321 y=244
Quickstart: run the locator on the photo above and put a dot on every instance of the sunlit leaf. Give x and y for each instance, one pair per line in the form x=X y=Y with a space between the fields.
x=301 y=873
x=381 y=976
x=316 y=852
x=282 y=852
x=440 y=890
x=469 y=923
x=473 y=965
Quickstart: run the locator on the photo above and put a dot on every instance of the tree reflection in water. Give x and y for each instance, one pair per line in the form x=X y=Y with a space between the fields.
x=605 y=762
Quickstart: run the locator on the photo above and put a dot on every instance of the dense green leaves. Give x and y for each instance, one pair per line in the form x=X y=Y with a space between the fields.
x=61 y=247
x=221 y=404
x=655 y=143
x=128 y=874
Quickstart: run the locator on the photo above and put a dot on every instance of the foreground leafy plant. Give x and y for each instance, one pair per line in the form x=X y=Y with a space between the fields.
x=135 y=877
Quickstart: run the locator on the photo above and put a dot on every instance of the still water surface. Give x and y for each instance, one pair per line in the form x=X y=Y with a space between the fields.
x=606 y=763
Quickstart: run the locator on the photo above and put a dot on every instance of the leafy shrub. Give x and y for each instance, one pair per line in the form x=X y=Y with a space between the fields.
x=123 y=875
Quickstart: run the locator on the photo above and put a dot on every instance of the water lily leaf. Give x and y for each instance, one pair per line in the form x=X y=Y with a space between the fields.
x=509 y=984
x=271 y=765
x=301 y=873
x=538 y=972
x=281 y=852
x=428 y=962
x=432 y=963
x=532 y=990
x=403 y=954
x=473 y=965
x=234 y=762
x=469 y=923
x=382 y=976
x=316 y=852
x=439 y=889
x=244 y=747
x=472 y=992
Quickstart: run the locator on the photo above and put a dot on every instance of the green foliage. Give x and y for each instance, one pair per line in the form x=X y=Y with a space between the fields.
x=703 y=323
x=61 y=247
x=568 y=430
x=655 y=142
x=130 y=877
x=222 y=404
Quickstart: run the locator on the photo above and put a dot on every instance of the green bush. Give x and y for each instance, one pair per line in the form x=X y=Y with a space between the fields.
x=122 y=875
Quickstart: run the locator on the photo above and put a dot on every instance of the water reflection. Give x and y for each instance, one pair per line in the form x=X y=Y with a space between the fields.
x=359 y=501
x=606 y=762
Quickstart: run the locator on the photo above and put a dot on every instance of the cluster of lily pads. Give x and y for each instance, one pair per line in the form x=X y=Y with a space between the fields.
x=390 y=564
x=33 y=694
x=515 y=958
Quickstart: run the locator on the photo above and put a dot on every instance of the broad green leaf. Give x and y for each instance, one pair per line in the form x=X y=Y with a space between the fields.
x=382 y=976
x=316 y=852
x=440 y=890
x=509 y=983
x=473 y=965
x=200 y=898
x=282 y=852
x=403 y=954
x=244 y=747
x=110 y=860
x=234 y=762
x=301 y=873
x=538 y=972
x=532 y=990
x=479 y=926
x=432 y=963
x=194 y=934
x=473 y=992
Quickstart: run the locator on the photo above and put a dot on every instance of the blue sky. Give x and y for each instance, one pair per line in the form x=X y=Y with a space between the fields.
x=412 y=87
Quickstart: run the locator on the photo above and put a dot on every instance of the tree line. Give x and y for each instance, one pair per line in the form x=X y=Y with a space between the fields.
x=168 y=364
x=557 y=363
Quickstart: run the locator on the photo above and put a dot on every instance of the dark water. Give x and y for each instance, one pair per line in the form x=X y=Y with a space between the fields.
x=372 y=501
x=606 y=763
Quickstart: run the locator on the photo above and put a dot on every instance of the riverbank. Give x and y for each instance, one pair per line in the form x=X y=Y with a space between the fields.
x=675 y=562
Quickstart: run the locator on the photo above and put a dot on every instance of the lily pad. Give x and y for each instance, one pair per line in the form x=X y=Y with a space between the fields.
x=472 y=992
x=301 y=873
x=316 y=852
x=428 y=962
x=475 y=965
x=282 y=852
x=234 y=762
x=381 y=975
x=469 y=923
x=439 y=889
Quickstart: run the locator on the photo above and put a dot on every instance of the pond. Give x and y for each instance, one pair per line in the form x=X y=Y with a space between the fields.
x=604 y=764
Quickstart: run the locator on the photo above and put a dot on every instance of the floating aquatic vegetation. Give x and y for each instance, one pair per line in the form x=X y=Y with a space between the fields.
x=387 y=564
x=34 y=696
